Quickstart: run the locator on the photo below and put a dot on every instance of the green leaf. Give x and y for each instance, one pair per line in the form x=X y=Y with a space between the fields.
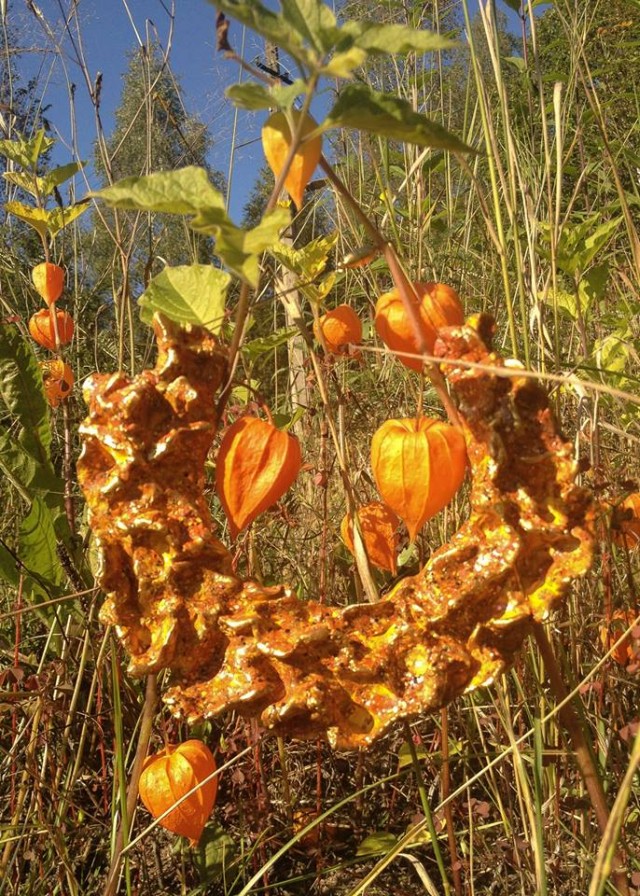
x=9 y=569
x=255 y=96
x=26 y=152
x=396 y=40
x=183 y=192
x=597 y=240
x=380 y=842
x=564 y=301
x=21 y=391
x=310 y=260
x=517 y=62
x=342 y=65
x=404 y=755
x=288 y=421
x=189 y=192
x=37 y=551
x=59 y=218
x=45 y=221
x=214 y=853
x=241 y=249
x=58 y=176
x=408 y=555
x=188 y=294
x=264 y=344
x=580 y=242
x=23 y=180
x=359 y=106
x=612 y=354
x=515 y=5
x=43 y=186
x=243 y=394
x=592 y=285
x=249 y=96
x=270 y=25
x=312 y=20
x=24 y=448
x=35 y=217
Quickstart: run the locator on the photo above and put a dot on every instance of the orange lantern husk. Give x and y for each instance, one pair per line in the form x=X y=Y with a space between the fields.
x=48 y=279
x=257 y=463
x=58 y=380
x=340 y=327
x=379 y=527
x=418 y=465
x=627 y=653
x=170 y=774
x=276 y=140
x=42 y=330
x=437 y=305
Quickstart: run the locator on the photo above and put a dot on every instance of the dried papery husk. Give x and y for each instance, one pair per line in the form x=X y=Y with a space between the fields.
x=625 y=529
x=276 y=141
x=379 y=526
x=170 y=774
x=340 y=327
x=42 y=328
x=57 y=380
x=48 y=279
x=437 y=305
x=256 y=464
x=418 y=465
x=361 y=258
x=301 y=667
x=627 y=653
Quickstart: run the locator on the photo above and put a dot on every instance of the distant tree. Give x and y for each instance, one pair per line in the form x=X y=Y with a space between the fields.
x=153 y=132
x=22 y=114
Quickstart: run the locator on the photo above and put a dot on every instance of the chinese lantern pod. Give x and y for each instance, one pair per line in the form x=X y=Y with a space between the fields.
x=379 y=526
x=627 y=653
x=437 y=306
x=276 y=140
x=42 y=328
x=58 y=380
x=256 y=465
x=418 y=465
x=361 y=258
x=340 y=327
x=48 y=279
x=626 y=529
x=170 y=774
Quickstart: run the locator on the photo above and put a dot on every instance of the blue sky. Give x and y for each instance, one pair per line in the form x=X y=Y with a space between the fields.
x=111 y=28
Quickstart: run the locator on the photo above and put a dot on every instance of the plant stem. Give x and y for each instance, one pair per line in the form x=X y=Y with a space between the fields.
x=146 y=725
x=426 y=808
x=570 y=718
x=402 y=282
x=445 y=789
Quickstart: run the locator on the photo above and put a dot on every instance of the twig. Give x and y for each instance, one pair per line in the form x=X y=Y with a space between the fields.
x=570 y=718
x=146 y=725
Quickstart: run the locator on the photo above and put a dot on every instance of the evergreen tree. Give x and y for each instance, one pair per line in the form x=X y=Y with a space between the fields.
x=153 y=132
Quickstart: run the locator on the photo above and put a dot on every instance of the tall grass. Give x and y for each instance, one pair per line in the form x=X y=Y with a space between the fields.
x=487 y=797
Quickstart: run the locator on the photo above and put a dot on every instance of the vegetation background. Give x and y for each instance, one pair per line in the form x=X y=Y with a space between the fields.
x=540 y=229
